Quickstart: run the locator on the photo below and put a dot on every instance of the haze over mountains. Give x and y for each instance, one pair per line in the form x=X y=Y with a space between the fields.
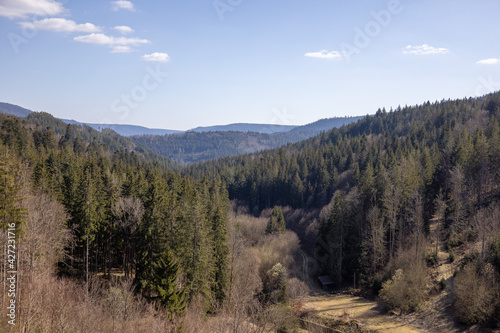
x=414 y=191
x=205 y=143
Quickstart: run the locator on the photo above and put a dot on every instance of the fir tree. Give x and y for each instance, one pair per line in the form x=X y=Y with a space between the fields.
x=276 y=222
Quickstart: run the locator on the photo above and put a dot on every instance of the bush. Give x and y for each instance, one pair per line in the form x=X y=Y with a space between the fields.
x=454 y=240
x=475 y=293
x=495 y=254
x=432 y=259
x=452 y=257
x=378 y=281
x=406 y=291
x=442 y=283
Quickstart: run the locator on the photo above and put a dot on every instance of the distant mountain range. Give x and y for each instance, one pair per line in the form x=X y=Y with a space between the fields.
x=125 y=130
x=191 y=147
x=204 y=143
x=14 y=110
x=131 y=130
x=243 y=127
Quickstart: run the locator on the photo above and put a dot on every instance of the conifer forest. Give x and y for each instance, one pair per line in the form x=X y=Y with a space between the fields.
x=401 y=207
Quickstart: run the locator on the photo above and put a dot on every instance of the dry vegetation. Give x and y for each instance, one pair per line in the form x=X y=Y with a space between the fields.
x=47 y=303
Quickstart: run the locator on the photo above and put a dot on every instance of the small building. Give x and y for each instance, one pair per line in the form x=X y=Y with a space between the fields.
x=326 y=282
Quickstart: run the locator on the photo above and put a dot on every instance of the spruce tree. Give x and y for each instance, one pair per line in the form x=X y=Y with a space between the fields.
x=220 y=206
x=11 y=213
x=160 y=282
x=276 y=222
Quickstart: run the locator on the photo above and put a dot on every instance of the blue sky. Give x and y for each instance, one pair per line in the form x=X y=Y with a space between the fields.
x=179 y=64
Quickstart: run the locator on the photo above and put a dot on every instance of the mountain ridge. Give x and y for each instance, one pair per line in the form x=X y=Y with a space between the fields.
x=205 y=143
x=192 y=147
x=131 y=130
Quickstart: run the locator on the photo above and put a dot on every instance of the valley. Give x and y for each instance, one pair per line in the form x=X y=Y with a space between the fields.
x=401 y=218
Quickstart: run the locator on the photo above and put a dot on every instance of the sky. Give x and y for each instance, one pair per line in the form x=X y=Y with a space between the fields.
x=179 y=64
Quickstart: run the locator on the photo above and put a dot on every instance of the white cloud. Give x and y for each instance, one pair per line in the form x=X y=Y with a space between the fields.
x=324 y=54
x=424 y=49
x=122 y=4
x=23 y=8
x=60 y=25
x=123 y=29
x=121 y=49
x=157 y=56
x=117 y=44
x=490 y=61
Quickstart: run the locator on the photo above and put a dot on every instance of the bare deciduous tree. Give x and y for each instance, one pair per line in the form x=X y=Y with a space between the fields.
x=486 y=222
x=376 y=235
x=46 y=233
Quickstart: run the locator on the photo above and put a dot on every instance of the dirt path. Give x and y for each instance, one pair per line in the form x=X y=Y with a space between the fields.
x=436 y=314
x=348 y=307
x=365 y=312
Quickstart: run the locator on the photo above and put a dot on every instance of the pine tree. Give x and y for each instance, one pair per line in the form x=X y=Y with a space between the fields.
x=11 y=212
x=160 y=282
x=219 y=234
x=276 y=222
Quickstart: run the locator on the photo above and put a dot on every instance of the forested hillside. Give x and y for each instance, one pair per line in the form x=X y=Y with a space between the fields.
x=14 y=110
x=134 y=244
x=382 y=182
x=104 y=238
x=200 y=145
x=81 y=135
x=106 y=208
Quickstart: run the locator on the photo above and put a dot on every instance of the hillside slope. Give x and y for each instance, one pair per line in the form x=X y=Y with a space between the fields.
x=387 y=187
x=14 y=110
x=198 y=145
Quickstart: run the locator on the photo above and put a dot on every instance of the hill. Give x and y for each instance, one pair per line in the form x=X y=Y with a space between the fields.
x=201 y=143
x=14 y=110
x=396 y=199
x=82 y=136
x=125 y=130
x=67 y=189
x=195 y=146
x=242 y=127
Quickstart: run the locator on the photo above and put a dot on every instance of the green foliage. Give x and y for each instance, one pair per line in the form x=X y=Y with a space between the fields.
x=379 y=181
x=276 y=221
x=195 y=146
x=275 y=285
x=126 y=210
x=159 y=281
x=442 y=283
x=495 y=254
x=11 y=212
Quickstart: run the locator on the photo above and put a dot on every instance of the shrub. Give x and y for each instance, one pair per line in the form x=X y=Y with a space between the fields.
x=378 y=281
x=452 y=257
x=442 y=283
x=406 y=290
x=495 y=254
x=475 y=295
x=454 y=240
x=432 y=259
